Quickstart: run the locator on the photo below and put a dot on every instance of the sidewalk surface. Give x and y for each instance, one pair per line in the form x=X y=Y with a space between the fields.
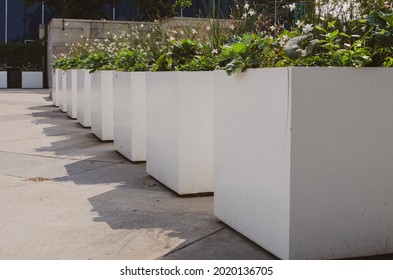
x=66 y=195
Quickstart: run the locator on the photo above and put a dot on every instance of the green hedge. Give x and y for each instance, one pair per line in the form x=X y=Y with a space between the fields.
x=28 y=56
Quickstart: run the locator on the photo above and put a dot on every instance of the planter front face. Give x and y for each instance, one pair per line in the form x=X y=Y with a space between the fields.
x=63 y=106
x=102 y=105
x=32 y=80
x=326 y=152
x=72 y=98
x=130 y=115
x=251 y=155
x=180 y=130
x=3 y=79
x=84 y=97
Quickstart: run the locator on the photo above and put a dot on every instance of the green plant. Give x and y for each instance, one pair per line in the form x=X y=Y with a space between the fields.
x=180 y=53
x=248 y=51
x=131 y=60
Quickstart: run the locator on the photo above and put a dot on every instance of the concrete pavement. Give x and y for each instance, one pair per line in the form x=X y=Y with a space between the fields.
x=66 y=195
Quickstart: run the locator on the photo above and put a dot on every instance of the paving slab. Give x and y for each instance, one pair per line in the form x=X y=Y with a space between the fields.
x=222 y=245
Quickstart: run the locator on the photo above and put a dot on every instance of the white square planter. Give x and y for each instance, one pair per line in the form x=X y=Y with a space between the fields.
x=303 y=159
x=58 y=85
x=3 y=79
x=130 y=114
x=179 y=129
x=84 y=97
x=32 y=79
x=64 y=91
x=102 y=105
x=72 y=98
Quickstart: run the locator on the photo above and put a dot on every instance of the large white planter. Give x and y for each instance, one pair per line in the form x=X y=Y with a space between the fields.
x=303 y=160
x=102 y=105
x=129 y=102
x=84 y=97
x=59 y=87
x=179 y=108
x=72 y=98
x=64 y=91
x=32 y=79
x=3 y=79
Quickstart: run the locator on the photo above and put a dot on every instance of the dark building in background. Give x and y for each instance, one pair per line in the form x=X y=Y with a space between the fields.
x=23 y=22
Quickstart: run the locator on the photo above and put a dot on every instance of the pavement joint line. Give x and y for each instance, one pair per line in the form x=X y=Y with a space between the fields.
x=64 y=158
x=36 y=137
x=76 y=174
x=192 y=243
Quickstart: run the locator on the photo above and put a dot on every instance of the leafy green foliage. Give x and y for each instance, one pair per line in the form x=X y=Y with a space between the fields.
x=29 y=56
x=248 y=51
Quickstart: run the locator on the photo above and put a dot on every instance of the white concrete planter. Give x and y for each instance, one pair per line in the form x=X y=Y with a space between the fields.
x=84 y=97
x=32 y=79
x=72 y=98
x=64 y=91
x=102 y=104
x=3 y=79
x=129 y=102
x=59 y=87
x=179 y=129
x=303 y=159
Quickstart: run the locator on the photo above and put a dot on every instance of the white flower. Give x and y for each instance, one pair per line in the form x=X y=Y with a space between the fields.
x=214 y=51
x=298 y=23
x=244 y=16
x=171 y=38
x=148 y=35
x=246 y=6
x=308 y=28
x=272 y=28
x=174 y=31
x=142 y=25
x=251 y=12
x=181 y=32
x=208 y=27
x=292 y=7
x=232 y=27
x=193 y=31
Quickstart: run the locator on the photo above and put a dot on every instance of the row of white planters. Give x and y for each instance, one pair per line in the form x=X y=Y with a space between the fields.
x=29 y=79
x=302 y=160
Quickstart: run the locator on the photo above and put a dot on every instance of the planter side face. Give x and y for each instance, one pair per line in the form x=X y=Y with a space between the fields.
x=138 y=118
x=72 y=101
x=162 y=128
x=195 y=132
x=86 y=99
x=54 y=88
x=3 y=79
x=102 y=105
x=252 y=155
x=32 y=80
x=130 y=115
x=65 y=88
x=59 y=87
x=341 y=163
x=83 y=97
